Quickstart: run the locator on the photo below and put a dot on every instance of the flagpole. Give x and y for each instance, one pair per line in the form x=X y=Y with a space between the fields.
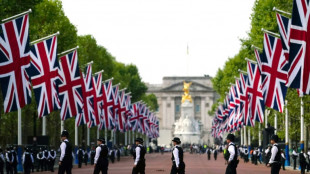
x=125 y=138
x=98 y=134
x=129 y=137
x=70 y=50
x=269 y=32
x=275 y=123
x=16 y=16
x=62 y=125
x=106 y=134
x=88 y=136
x=259 y=135
x=44 y=126
x=249 y=60
x=241 y=137
x=281 y=11
x=301 y=123
x=76 y=135
x=249 y=139
x=112 y=138
x=44 y=38
x=19 y=137
x=287 y=161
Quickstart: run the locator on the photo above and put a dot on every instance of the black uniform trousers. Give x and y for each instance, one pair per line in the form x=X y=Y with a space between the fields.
x=103 y=168
x=40 y=166
x=65 y=167
x=275 y=168
x=231 y=168
x=51 y=165
x=294 y=159
x=80 y=162
x=27 y=169
x=140 y=168
x=303 y=167
x=9 y=168
x=1 y=167
x=181 y=169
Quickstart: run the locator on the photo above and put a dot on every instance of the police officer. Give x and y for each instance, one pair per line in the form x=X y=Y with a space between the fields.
x=302 y=161
x=9 y=161
x=40 y=158
x=65 y=160
x=138 y=155
x=209 y=153
x=15 y=160
x=45 y=159
x=80 y=154
x=294 y=155
x=51 y=159
x=92 y=156
x=85 y=158
x=275 y=159
x=215 y=154
x=178 y=165
x=2 y=160
x=101 y=157
x=231 y=155
x=27 y=161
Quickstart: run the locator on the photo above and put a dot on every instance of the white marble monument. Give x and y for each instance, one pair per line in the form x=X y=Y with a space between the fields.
x=187 y=128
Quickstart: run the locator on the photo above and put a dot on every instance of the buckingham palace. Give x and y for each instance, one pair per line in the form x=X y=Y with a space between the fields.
x=169 y=96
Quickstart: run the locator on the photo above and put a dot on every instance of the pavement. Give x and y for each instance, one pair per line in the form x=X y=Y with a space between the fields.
x=195 y=164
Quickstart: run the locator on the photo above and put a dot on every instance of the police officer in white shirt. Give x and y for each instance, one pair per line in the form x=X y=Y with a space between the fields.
x=178 y=165
x=65 y=160
x=27 y=161
x=275 y=159
x=294 y=155
x=232 y=155
x=101 y=157
x=51 y=157
x=138 y=155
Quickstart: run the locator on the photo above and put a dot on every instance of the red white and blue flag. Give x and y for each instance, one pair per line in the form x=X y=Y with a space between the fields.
x=299 y=51
x=44 y=73
x=273 y=66
x=98 y=100
x=134 y=118
x=120 y=111
x=70 y=90
x=88 y=106
x=115 y=93
x=284 y=25
x=14 y=60
x=108 y=104
x=256 y=105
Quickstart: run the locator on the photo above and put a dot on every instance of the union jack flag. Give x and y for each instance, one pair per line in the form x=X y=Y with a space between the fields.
x=14 y=60
x=128 y=111
x=284 y=25
x=44 y=73
x=98 y=100
x=120 y=111
x=243 y=98
x=115 y=92
x=142 y=109
x=70 y=91
x=108 y=104
x=273 y=66
x=134 y=119
x=254 y=92
x=88 y=98
x=219 y=113
x=299 y=52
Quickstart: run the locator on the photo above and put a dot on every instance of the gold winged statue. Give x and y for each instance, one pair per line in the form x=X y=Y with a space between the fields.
x=186 y=95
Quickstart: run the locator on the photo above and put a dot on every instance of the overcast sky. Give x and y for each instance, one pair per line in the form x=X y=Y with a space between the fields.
x=154 y=34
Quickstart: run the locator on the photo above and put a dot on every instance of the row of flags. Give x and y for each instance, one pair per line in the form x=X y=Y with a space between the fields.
x=62 y=85
x=283 y=62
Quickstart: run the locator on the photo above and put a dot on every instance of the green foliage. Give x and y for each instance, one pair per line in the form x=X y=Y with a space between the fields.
x=262 y=16
x=48 y=17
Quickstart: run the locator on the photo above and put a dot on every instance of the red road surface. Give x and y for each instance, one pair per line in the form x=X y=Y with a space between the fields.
x=195 y=164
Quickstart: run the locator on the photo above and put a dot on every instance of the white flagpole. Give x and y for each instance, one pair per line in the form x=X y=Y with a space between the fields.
x=106 y=134
x=19 y=127
x=249 y=137
x=287 y=161
x=129 y=137
x=266 y=118
x=275 y=123
x=301 y=123
x=241 y=136
x=62 y=126
x=88 y=136
x=44 y=126
x=125 y=143
x=112 y=138
x=16 y=16
x=98 y=133
x=244 y=134
x=259 y=135
x=76 y=135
